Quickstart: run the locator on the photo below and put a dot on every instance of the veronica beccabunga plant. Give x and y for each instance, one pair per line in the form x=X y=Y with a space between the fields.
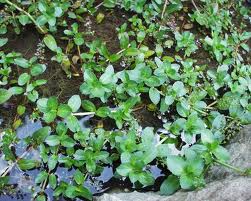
x=127 y=93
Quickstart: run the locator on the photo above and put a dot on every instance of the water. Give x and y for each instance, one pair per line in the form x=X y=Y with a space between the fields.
x=22 y=183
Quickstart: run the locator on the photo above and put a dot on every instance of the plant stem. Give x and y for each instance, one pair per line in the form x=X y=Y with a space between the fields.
x=45 y=182
x=119 y=52
x=211 y=104
x=242 y=172
x=87 y=113
x=164 y=9
x=83 y=113
x=99 y=5
x=161 y=141
x=28 y=14
x=79 y=54
x=200 y=111
x=195 y=6
x=13 y=164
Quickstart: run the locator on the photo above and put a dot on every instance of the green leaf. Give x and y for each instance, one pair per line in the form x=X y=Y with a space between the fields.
x=103 y=112
x=41 y=177
x=50 y=42
x=221 y=153
x=40 y=135
x=78 y=39
x=64 y=110
x=186 y=181
x=100 y=18
x=245 y=47
x=33 y=96
x=21 y=62
x=75 y=103
x=5 y=95
x=146 y=178
x=173 y=7
x=66 y=141
x=16 y=90
x=23 y=19
x=176 y=164
x=114 y=57
x=90 y=166
x=41 y=198
x=170 y=185
x=88 y=106
x=50 y=116
x=37 y=69
x=110 y=3
x=179 y=88
x=72 y=123
x=71 y=191
x=124 y=40
x=141 y=36
x=52 y=103
x=169 y=100
x=3 y=41
x=182 y=109
x=52 y=162
x=27 y=164
x=21 y=110
x=219 y=122
x=207 y=136
x=79 y=154
x=79 y=177
x=84 y=193
x=124 y=169
x=53 y=181
x=132 y=51
x=23 y=79
x=52 y=140
x=154 y=95
x=177 y=126
x=107 y=77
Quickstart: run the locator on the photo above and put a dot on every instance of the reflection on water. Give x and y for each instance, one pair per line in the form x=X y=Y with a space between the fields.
x=3 y=165
x=17 y=196
x=28 y=128
x=156 y=171
x=1 y=121
x=106 y=175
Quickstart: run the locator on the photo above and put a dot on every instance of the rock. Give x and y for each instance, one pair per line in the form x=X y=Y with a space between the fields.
x=240 y=152
x=181 y=18
x=188 y=26
x=224 y=184
x=237 y=189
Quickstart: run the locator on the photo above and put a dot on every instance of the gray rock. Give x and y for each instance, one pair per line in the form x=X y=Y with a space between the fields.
x=237 y=189
x=224 y=184
x=240 y=152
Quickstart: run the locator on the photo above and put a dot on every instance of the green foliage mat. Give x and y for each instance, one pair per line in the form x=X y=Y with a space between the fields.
x=187 y=62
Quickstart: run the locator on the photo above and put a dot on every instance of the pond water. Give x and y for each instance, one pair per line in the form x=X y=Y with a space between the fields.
x=21 y=183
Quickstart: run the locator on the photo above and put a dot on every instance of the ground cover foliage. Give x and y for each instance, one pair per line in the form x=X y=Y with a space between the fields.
x=185 y=62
